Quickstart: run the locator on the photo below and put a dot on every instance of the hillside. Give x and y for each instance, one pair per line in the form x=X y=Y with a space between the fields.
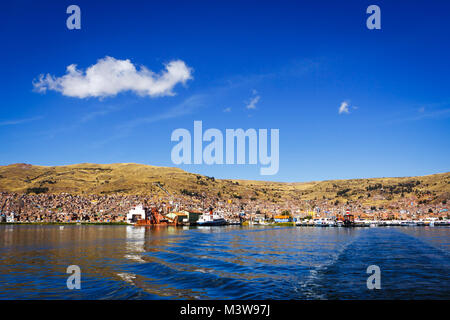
x=129 y=178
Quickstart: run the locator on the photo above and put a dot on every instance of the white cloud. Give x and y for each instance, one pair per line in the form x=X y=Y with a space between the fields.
x=253 y=102
x=110 y=76
x=227 y=109
x=344 y=107
x=18 y=121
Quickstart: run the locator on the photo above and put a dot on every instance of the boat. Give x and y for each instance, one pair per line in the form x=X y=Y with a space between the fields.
x=360 y=223
x=211 y=219
x=332 y=224
x=320 y=223
x=234 y=222
x=441 y=223
x=367 y=223
x=393 y=223
x=323 y=222
x=422 y=223
x=349 y=219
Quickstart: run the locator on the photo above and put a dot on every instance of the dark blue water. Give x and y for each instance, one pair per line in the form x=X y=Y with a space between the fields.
x=124 y=262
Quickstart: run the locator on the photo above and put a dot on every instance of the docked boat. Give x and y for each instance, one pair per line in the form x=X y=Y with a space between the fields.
x=323 y=222
x=320 y=223
x=442 y=223
x=422 y=223
x=393 y=223
x=360 y=223
x=211 y=219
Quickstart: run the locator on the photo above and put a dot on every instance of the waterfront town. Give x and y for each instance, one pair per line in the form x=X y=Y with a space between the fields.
x=68 y=208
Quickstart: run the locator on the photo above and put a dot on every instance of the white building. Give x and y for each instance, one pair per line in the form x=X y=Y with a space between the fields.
x=10 y=218
x=135 y=214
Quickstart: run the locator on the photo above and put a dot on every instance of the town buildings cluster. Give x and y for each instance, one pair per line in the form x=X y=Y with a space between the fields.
x=66 y=207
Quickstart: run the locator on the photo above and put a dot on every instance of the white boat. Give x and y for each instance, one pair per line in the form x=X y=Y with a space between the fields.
x=408 y=223
x=323 y=222
x=318 y=223
x=211 y=219
x=305 y=223
x=393 y=223
x=331 y=223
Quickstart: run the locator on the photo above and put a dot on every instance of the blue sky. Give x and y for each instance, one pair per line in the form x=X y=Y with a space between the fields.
x=297 y=60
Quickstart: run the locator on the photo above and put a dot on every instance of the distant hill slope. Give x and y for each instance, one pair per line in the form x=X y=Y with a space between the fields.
x=130 y=178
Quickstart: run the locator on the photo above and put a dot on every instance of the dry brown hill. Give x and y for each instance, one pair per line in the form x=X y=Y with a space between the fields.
x=130 y=178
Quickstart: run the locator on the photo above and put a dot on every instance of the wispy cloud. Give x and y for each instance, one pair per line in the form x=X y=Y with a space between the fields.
x=344 y=107
x=110 y=76
x=251 y=105
x=436 y=111
x=227 y=109
x=18 y=121
x=188 y=106
x=99 y=113
x=293 y=69
x=423 y=114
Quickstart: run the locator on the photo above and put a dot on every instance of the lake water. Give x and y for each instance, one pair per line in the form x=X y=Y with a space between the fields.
x=125 y=262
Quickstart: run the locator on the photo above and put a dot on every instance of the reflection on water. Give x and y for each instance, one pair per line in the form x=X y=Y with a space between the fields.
x=125 y=262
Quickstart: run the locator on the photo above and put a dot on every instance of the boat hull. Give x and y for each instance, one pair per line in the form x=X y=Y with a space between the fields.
x=219 y=222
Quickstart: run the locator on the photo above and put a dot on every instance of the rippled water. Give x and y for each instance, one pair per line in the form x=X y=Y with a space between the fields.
x=124 y=262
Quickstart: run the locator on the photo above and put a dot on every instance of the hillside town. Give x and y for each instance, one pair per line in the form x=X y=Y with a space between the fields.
x=68 y=208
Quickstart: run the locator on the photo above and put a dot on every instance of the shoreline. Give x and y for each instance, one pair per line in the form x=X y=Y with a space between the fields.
x=281 y=224
x=68 y=223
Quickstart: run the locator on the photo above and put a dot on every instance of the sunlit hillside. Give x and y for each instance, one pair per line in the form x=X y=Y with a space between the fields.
x=130 y=178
